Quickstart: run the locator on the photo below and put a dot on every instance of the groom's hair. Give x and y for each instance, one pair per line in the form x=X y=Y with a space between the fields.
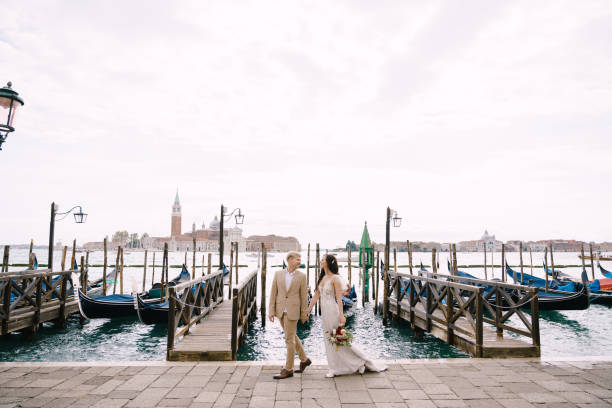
x=293 y=254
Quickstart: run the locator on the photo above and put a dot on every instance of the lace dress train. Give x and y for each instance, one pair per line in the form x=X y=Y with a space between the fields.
x=340 y=360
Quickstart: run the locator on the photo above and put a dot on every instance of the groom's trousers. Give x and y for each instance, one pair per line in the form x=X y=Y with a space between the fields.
x=292 y=341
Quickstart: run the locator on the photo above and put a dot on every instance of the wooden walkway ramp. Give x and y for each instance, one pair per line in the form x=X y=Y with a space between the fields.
x=209 y=340
x=205 y=327
x=456 y=309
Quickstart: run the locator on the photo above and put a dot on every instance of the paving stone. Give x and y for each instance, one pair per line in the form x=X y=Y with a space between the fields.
x=184 y=392
x=541 y=397
x=355 y=397
x=287 y=404
x=436 y=388
x=175 y=402
x=579 y=397
x=261 y=402
x=166 y=381
x=106 y=387
x=483 y=403
x=515 y=403
x=320 y=403
x=288 y=396
x=111 y=403
x=207 y=396
x=420 y=404
x=449 y=403
x=138 y=382
x=384 y=395
x=149 y=397
x=194 y=380
x=413 y=394
x=224 y=400
x=39 y=401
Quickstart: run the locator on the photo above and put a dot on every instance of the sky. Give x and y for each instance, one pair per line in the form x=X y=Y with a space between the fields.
x=312 y=117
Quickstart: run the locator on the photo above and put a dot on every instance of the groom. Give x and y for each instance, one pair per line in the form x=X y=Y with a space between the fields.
x=289 y=302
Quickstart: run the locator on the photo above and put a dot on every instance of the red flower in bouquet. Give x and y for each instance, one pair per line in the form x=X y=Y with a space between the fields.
x=340 y=337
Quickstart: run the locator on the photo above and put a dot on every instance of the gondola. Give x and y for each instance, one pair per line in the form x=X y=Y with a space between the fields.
x=556 y=299
x=184 y=276
x=349 y=301
x=604 y=272
x=106 y=306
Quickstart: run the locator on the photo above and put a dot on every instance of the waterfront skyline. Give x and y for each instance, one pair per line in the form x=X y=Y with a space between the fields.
x=310 y=118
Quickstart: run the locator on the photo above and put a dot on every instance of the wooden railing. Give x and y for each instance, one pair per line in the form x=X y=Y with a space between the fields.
x=244 y=309
x=456 y=306
x=189 y=302
x=36 y=298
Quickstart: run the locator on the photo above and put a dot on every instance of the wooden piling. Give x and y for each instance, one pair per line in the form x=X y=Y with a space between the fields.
x=349 y=264
x=409 y=256
x=185 y=263
x=455 y=259
x=582 y=257
x=386 y=270
x=546 y=268
x=231 y=269
x=553 y=274
x=121 y=274
x=209 y=263
x=434 y=264
x=73 y=257
x=5 y=262
x=116 y=270
x=363 y=271
x=164 y=273
x=484 y=247
x=83 y=277
x=203 y=265
x=64 y=252
x=193 y=265
x=375 y=288
x=592 y=260
x=153 y=270
x=31 y=247
x=308 y=267
x=503 y=262
x=236 y=263
x=86 y=265
x=372 y=288
x=264 y=266
x=144 y=271
x=317 y=272
x=104 y=267
x=521 y=259
x=492 y=264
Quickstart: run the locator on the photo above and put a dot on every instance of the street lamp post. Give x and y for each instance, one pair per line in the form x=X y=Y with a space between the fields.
x=79 y=217
x=239 y=220
x=9 y=103
x=397 y=221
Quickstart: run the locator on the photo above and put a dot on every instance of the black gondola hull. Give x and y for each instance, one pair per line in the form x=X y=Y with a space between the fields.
x=151 y=315
x=100 y=309
x=601 y=299
x=573 y=301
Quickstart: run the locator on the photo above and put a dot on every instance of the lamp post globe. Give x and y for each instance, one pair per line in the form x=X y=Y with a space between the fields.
x=10 y=102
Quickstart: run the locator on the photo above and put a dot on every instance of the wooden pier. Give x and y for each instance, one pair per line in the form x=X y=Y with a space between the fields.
x=31 y=297
x=203 y=327
x=453 y=309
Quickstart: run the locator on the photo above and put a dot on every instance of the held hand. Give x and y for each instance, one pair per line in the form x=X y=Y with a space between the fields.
x=342 y=320
x=271 y=318
x=304 y=321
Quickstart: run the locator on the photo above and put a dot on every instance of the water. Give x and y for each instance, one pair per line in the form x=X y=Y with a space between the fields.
x=563 y=333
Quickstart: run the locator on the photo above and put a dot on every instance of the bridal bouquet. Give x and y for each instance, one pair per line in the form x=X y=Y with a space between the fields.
x=340 y=337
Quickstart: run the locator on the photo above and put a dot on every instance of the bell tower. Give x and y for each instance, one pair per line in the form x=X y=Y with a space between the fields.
x=175 y=226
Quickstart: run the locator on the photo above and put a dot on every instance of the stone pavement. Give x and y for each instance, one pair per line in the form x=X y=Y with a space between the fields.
x=408 y=383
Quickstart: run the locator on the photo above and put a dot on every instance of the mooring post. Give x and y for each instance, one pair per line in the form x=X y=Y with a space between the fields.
x=363 y=287
x=553 y=273
x=582 y=257
x=395 y=260
x=153 y=270
x=209 y=263
x=121 y=274
x=546 y=268
x=503 y=262
x=264 y=266
x=73 y=257
x=348 y=259
x=104 y=267
x=592 y=260
x=455 y=259
x=535 y=318
x=410 y=256
x=236 y=262
x=521 y=259
x=5 y=259
x=484 y=246
x=231 y=270
x=386 y=269
x=83 y=285
x=193 y=265
x=308 y=267
x=530 y=260
x=479 y=322
x=203 y=265
x=373 y=287
x=434 y=264
x=144 y=272
x=317 y=272
x=31 y=247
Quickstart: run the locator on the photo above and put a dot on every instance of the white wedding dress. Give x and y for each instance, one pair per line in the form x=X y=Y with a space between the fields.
x=343 y=360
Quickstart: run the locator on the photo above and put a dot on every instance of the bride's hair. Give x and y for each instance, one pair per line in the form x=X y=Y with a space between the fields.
x=332 y=264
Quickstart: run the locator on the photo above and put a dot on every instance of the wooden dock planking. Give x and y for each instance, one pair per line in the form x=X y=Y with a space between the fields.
x=493 y=346
x=209 y=340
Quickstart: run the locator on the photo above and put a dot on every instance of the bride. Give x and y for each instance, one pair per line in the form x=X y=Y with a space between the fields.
x=343 y=359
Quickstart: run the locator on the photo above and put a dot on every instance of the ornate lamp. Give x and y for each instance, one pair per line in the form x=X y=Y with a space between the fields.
x=9 y=103
x=397 y=220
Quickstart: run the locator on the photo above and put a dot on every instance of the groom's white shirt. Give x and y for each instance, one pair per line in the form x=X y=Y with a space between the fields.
x=288 y=278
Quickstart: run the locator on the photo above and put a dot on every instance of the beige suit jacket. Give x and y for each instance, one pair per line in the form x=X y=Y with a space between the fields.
x=295 y=300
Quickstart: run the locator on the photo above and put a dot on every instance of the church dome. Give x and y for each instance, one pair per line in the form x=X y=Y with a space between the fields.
x=214 y=224
x=487 y=237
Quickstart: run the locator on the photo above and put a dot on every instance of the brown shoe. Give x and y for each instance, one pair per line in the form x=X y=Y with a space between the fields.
x=303 y=365
x=284 y=374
